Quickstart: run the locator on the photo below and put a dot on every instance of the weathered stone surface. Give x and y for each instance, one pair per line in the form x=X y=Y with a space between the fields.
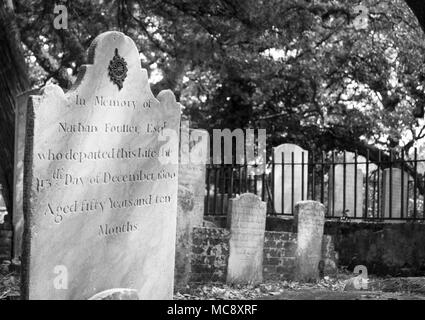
x=353 y=191
x=247 y=227
x=310 y=220
x=18 y=175
x=394 y=177
x=191 y=194
x=100 y=182
x=285 y=178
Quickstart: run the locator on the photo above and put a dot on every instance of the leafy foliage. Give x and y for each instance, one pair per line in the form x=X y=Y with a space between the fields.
x=300 y=69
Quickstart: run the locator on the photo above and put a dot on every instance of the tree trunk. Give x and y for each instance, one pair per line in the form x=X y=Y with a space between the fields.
x=13 y=81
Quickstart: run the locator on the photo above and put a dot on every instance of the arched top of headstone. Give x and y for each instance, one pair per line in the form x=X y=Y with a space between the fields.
x=397 y=172
x=112 y=57
x=350 y=157
x=114 y=71
x=310 y=204
x=249 y=199
x=288 y=147
x=247 y=196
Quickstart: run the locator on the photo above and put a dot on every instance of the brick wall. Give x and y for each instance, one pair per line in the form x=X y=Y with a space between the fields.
x=210 y=253
x=279 y=254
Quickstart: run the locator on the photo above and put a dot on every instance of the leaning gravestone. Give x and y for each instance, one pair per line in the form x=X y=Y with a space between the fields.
x=191 y=194
x=100 y=182
x=353 y=204
x=293 y=179
x=310 y=220
x=247 y=227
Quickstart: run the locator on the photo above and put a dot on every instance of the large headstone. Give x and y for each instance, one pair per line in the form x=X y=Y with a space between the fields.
x=353 y=191
x=191 y=194
x=18 y=176
x=290 y=178
x=310 y=220
x=394 y=178
x=100 y=182
x=247 y=227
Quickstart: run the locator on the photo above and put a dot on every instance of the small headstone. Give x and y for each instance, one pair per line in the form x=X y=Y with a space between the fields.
x=293 y=178
x=191 y=194
x=395 y=175
x=353 y=191
x=247 y=227
x=100 y=182
x=310 y=220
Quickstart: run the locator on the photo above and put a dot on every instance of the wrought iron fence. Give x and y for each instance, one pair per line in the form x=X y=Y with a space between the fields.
x=388 y=187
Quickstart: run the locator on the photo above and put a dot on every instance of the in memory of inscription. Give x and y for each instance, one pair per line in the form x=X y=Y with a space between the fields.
x=100 y=182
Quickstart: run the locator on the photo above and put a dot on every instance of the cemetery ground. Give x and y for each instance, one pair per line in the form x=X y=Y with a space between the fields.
x=328 y=288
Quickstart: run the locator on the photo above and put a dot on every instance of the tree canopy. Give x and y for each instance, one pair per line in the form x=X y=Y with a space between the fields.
x=300 y=69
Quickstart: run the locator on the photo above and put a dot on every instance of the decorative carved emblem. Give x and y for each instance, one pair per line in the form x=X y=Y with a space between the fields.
x=118 y=70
